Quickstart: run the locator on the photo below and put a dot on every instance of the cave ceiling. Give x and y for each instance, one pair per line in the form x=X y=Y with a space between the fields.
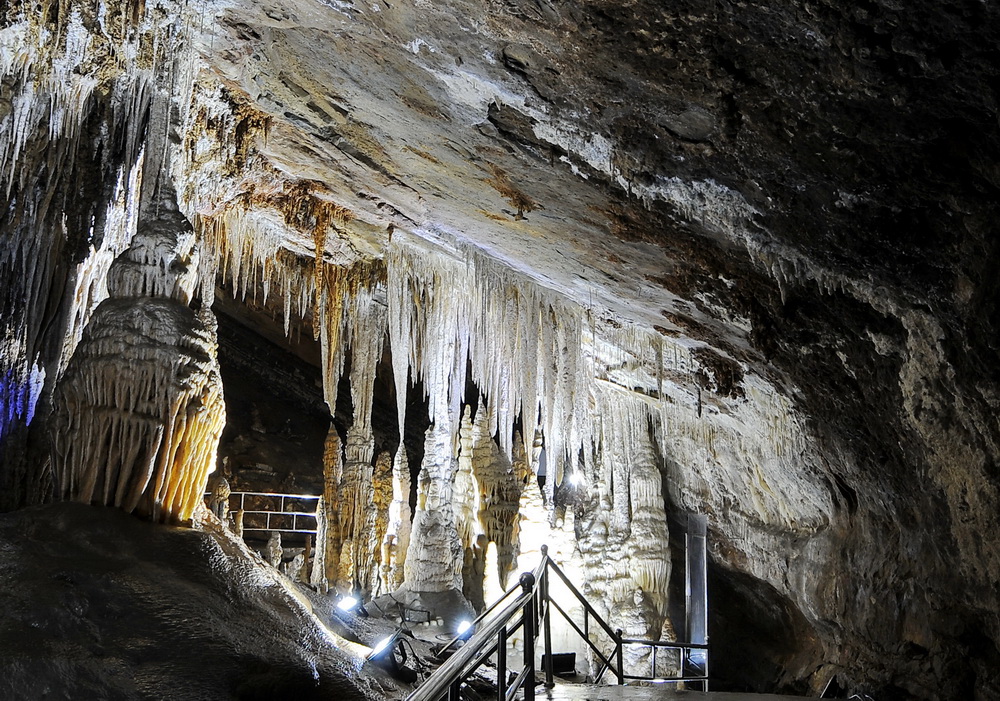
x=701 y=168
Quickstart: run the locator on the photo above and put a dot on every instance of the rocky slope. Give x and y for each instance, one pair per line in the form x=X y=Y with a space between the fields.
x=97 y=604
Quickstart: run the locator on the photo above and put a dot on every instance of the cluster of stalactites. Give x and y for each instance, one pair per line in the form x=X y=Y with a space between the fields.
x=68 y=190
x=443 y=316
x=622 y=534
x=450 y=315
x=523 y=346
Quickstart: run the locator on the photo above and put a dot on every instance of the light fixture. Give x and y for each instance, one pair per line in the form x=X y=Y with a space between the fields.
x=348 y=603
x=384 y=655
x=379 y=651
x=464 y=627
x=576 y=479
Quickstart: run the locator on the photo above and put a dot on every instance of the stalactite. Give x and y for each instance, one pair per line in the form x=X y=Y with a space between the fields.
x=367 y=319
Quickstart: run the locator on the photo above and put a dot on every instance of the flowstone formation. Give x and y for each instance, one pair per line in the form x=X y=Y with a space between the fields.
x=139 y=409
x=724 y=258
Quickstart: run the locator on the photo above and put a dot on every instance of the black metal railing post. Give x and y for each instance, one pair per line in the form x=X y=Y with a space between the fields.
x=543 y=595
x=621 y=656
x=527 y=581
x=502 y=664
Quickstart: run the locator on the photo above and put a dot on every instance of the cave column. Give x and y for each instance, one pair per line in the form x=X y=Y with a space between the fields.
x=326 y=561
x=361 y=547
x=356 y=508
x=465 y=506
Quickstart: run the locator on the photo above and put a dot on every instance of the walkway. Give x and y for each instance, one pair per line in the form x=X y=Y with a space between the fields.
x=663 y=692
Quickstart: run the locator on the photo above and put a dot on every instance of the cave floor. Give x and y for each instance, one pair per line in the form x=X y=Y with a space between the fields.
x=587 y=692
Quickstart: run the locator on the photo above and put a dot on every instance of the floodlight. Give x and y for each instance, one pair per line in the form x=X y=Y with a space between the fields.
x=348 y=603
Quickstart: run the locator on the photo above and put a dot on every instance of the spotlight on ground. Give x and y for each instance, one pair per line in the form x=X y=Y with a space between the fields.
x=384 y=655
x=348 y=603
x=464 y=629
x=383 y=648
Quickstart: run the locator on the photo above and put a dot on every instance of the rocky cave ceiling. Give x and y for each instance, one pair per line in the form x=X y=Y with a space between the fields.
x=765 y=231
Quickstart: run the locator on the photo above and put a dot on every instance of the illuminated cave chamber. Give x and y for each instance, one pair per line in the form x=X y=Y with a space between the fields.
x=415 y=346
x=488 y=276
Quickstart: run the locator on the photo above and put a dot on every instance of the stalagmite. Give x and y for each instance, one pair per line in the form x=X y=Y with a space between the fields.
x=378 y=521
x=499 y=496
x=434 y=559
x=328 y=537
x=532 y=512
x=465 y=507
x=71 y=144
x=398 y=533
x=648 y=543
x=142 y=434
x=356 y=513
x=465 y=498
x=273 y=551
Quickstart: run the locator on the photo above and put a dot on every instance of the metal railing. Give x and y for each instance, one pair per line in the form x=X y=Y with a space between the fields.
x=493 y=628
x=289 y=505
x=528 y=607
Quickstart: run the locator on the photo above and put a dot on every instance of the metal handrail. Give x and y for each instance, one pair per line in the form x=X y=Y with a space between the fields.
x=492 y=637
x=282 y=511
x=534 y=604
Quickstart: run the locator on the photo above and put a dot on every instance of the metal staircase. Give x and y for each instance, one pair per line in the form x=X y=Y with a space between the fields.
x=527 y=608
